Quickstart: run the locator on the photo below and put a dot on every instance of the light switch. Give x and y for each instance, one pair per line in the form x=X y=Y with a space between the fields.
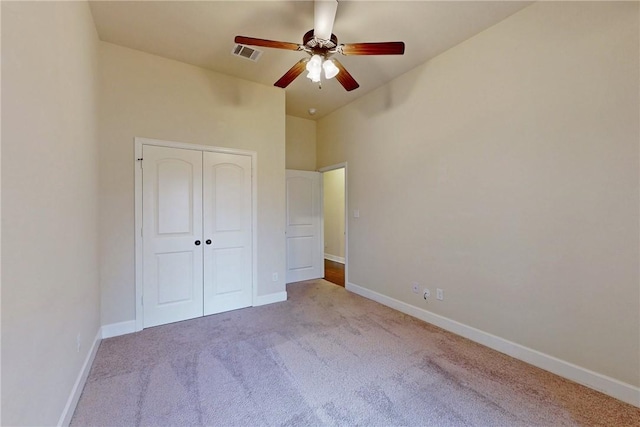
x=356 y=213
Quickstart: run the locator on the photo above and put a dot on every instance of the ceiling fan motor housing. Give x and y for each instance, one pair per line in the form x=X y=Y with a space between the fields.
x=319 y=46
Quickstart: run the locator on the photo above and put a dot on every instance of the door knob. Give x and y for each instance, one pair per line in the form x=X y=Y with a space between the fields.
x=197 y=242
x=208 y=242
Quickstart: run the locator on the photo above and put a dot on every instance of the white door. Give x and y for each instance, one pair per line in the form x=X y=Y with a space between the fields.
x=197 y=233
x=305 y=253
x=172 y=234
x=227 y=232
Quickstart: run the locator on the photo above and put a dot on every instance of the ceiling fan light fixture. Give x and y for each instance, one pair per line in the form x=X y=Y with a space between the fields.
x=330 y=69
x=314 y=77
x=314 y=67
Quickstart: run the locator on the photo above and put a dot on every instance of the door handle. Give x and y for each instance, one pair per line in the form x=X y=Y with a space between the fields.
x=197 y=242
x=208 y=242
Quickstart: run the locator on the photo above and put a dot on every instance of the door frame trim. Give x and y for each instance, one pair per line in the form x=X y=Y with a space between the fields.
x=346 y=213
x=138 y=143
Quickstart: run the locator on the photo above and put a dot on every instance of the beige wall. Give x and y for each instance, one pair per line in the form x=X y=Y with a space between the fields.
x=505 y=171
x=301 y=144
x=148 y=96
x=333 y=191
x=331 y=144
x=49 y=201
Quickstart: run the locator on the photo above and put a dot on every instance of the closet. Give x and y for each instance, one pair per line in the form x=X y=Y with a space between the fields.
x=196 y=233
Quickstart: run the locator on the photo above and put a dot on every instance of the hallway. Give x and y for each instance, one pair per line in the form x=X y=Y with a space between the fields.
x=334 y=272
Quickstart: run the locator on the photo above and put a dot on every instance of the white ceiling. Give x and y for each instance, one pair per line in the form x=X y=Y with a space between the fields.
x=202 y=32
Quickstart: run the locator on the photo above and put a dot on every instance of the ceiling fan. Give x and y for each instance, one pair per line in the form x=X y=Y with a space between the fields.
x=321 y=44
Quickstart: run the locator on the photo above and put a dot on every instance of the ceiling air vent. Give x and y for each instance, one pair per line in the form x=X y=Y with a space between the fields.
x=246 y=52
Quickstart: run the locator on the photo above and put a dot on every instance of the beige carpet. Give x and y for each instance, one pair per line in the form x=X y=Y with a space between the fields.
x=325 y=357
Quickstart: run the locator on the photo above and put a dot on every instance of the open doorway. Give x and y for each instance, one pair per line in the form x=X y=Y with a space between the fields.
x=335 y=224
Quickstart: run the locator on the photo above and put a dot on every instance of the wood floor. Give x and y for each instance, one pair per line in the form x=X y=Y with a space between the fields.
x=334 y=272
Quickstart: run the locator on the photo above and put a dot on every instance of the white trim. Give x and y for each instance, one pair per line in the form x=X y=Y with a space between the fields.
x=334 y=258
x=607 y=385
x=270 y=298
x=117 y=329
x=188 y=146
x=333 y=167
x=254 y=225
x=321 y=245
x=138 y=143
x=137 y=233
x=76 y=391
x=346 y=222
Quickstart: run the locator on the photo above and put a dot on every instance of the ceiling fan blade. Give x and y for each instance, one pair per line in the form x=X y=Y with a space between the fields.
x=293 y=72
x=324 y=14
x=266 y=43
x=346 y=80
x=383 y=48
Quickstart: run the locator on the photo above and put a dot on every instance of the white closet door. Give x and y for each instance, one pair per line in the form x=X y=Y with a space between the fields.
x=305 y=252
x=228 y=282
x=172 y=235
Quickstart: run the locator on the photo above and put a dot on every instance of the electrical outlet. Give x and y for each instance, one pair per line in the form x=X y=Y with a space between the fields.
x=440 y=294
x=426 y=294
x=274 y=277
x=416 y=287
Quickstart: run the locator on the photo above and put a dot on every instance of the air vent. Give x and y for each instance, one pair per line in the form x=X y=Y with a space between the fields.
x=246 y=52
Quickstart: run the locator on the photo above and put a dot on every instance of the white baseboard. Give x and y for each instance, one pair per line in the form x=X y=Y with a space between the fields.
x=335 y=258
x=78 y=386
x=128 y=327
x=607 y=385
x=117 y=329
x=270 y=298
